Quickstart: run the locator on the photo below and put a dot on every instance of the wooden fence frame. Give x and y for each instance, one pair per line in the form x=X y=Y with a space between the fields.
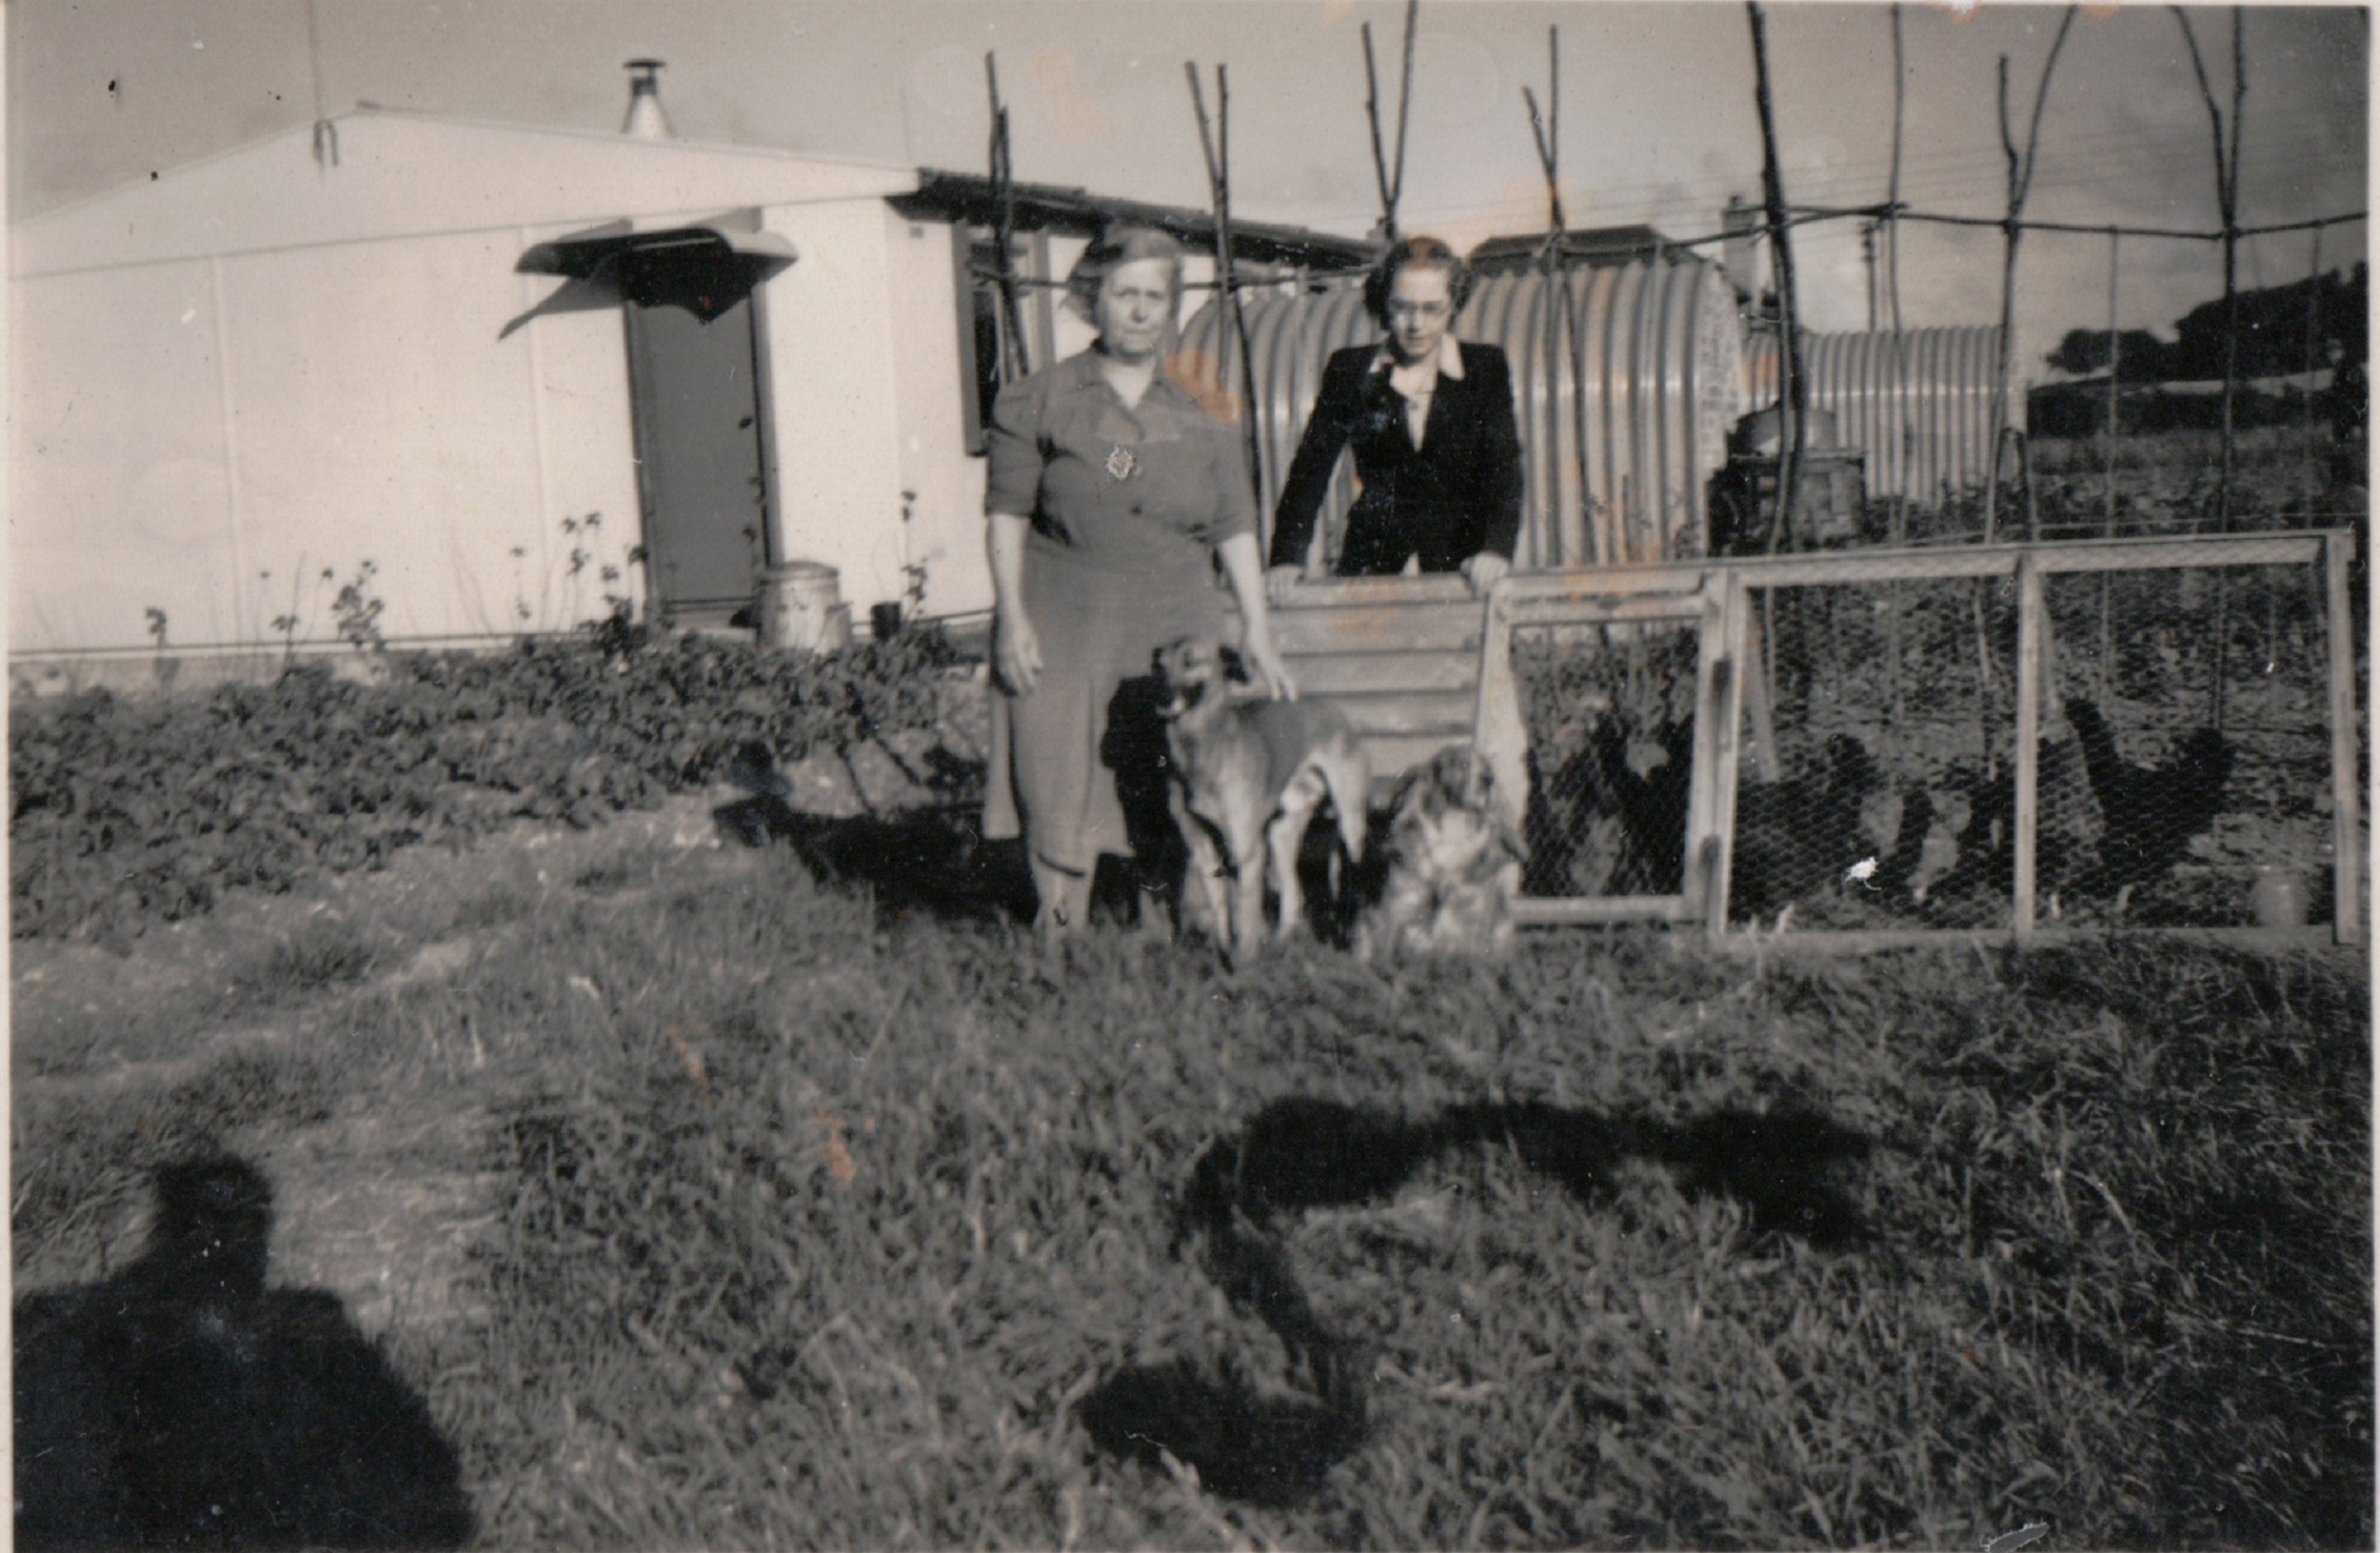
x=1717 y=592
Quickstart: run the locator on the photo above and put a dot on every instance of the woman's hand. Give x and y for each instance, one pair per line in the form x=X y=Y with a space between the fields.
x=1485 y=570
x=1280 y=580
x=1245 y=569
x=1262 y=662
x=1016 y=650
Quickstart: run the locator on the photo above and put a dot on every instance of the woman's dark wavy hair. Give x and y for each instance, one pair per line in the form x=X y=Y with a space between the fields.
x=1426 y=252
x=1116 y=246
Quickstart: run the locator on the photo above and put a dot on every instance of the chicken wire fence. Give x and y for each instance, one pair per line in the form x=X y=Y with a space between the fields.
x=1610 y=717
x=2192 y=705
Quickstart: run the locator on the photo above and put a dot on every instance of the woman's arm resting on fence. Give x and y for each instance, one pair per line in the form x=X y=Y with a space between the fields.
x=1309 y=477
x=1255 y=635
x=1486 y=569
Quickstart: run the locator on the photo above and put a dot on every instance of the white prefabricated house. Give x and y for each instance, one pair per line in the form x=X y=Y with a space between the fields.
x=518 y=370
x=323 y=349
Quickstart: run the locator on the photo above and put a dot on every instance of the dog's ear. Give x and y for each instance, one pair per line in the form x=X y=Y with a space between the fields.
x=1232 y=666
x=1479 y=781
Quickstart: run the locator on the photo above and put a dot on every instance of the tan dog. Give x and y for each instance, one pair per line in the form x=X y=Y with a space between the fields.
x=1454 y=866
x=1247 y=777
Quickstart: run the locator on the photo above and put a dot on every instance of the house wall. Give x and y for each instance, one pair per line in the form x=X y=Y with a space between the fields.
x=267 y=364
x=377 y=419
x=586 y=444
x=208 y=438
x=120 y=473
x=945 y=527
x=833 y=457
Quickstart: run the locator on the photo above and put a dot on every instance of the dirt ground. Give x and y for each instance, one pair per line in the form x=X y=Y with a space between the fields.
x=380 y=1201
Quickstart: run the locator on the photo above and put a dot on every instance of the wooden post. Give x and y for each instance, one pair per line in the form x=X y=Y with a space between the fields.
x=2227 y=200
x=2105 y=678
x=1722 y=702
x=1215 y=147
x=1759 y=699
x=1898 y=454
x=1900 y=367
x=2029 y=654
x=2344 y=830
x=1793 y=392
x=2306 y=400
x=1013 y=362
x=1392 y=184
x=2020 y=171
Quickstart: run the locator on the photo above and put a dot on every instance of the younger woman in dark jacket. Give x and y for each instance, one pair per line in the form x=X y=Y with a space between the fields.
x=1431 y=421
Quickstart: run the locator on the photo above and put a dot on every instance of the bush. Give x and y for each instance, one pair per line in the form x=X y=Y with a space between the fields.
x=125 y=813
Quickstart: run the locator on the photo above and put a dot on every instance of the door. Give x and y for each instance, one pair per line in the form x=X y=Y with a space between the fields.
x=701 y=470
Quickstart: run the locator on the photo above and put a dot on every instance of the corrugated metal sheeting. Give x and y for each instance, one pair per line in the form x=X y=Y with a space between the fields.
x=1926 y=430
x=1618 y=438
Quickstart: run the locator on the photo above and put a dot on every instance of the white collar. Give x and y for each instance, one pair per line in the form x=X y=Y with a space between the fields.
x=1449 y=358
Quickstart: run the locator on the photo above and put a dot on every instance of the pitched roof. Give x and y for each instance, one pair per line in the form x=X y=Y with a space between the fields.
x=1578 y=246
x=377 y=173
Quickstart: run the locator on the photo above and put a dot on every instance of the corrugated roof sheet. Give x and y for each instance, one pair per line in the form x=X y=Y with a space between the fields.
x=960 y=196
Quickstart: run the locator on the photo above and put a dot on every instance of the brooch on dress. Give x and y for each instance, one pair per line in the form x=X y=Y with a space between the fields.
x=1121 y=461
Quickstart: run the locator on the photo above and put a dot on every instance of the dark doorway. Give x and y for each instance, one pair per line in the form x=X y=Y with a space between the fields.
x=693 y=384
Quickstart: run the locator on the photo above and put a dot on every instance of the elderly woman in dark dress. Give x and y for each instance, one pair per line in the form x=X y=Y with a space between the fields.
x=1112 y=494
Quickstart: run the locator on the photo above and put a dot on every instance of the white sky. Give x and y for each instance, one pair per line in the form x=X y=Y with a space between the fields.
x=1658 y=117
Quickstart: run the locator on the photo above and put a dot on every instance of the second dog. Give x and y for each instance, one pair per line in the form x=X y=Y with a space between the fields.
x=1453 y=866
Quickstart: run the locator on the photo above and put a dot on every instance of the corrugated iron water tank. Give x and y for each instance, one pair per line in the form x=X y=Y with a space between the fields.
x=1620 y=429
x=1925 y=424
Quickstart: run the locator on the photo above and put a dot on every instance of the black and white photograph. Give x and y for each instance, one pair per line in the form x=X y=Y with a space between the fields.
x=1189 y=774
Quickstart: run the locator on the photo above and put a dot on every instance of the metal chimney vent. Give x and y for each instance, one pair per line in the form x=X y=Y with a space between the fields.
x=645 y=121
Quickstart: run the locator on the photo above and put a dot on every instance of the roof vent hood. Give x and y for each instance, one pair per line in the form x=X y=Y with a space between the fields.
x=645 y=121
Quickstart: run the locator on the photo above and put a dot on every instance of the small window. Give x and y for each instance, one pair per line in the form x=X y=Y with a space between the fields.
x=983 y=323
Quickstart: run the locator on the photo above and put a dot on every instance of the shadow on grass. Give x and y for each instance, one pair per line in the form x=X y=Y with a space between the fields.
x=181 y=1403
x=932 y=860
x=1301 y=1153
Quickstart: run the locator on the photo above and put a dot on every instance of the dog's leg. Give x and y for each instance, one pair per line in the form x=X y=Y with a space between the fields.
x=1205 y=885
x=1248 y=888
x=1283 y=836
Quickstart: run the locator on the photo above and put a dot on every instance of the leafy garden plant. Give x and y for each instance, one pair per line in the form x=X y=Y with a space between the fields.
x=130 y=811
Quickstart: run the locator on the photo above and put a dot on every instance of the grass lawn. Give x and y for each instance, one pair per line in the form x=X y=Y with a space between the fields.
x=711 y=1206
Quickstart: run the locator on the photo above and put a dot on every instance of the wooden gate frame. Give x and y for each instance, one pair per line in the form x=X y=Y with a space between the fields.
x=1717 y=594
x=1585 y=599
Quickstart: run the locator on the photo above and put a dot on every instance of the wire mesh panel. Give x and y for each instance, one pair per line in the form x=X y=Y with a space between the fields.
x=2191 y=711
x=1609 y=714
x=1875 y=791
x=2186 y=715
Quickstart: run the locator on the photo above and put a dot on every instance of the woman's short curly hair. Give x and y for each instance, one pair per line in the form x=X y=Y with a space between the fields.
x=1428 y=253
x=1113 y=249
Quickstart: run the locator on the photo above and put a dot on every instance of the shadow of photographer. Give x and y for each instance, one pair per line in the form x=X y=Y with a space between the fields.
x=182 y=1402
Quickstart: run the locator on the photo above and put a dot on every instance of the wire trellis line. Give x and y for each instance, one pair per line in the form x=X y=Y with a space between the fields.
x=1840 y=212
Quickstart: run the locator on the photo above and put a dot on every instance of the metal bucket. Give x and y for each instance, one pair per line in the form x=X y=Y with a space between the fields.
x=801 y=608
